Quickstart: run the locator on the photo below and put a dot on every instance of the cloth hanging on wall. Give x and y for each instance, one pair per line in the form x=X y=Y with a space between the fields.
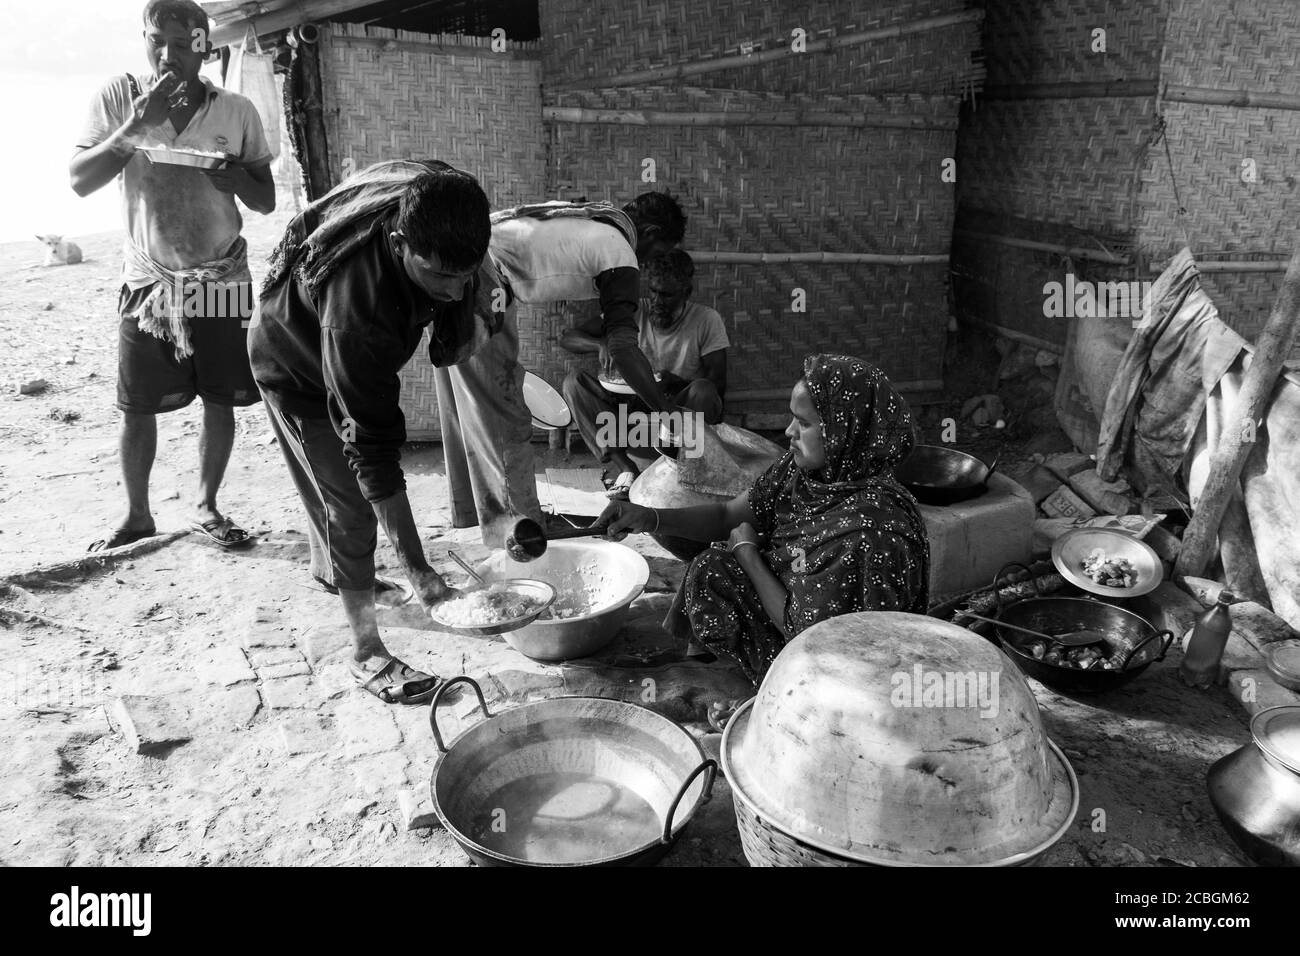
x=251 y=73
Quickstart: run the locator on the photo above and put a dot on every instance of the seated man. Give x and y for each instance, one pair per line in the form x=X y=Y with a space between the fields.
x=686 y=345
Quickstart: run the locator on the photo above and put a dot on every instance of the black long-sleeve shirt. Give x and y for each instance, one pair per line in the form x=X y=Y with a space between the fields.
x=339 y=356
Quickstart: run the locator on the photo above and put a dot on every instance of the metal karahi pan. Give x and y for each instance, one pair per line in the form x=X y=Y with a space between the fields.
x=936 y=475
x=1132 y=643
x=570 y=781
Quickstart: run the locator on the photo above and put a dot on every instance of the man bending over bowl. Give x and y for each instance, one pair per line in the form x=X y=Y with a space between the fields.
x=826 y=530
x=686 y=344
x=357 y=278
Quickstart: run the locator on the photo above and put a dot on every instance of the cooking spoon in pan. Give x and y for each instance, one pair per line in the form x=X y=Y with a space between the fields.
x=1068 y=639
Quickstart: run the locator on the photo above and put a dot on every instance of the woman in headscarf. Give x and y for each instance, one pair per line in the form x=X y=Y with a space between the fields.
x=825 y=531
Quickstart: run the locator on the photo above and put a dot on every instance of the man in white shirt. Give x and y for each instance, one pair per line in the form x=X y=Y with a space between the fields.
x=545 y=252
x=686 y=344
x=183 y=255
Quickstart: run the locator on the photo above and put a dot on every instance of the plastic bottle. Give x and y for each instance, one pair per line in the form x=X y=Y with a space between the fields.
x=1200 y=666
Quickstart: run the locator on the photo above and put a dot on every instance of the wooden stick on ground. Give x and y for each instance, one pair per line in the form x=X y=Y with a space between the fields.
x=1271 y=350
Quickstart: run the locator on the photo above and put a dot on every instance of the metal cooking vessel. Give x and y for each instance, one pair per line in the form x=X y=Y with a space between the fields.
x=936 y=475
x=611 y=574
x=570 y=781
x=846 y=750
x=1128 y=635
x=1256 y=790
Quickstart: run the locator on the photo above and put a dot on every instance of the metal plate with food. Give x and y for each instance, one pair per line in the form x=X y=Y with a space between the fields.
x=494 y=608
x=620 y=387
x=194 y=158
x=1107 y=563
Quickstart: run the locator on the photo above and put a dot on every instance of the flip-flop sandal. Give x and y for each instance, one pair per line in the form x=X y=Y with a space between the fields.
x=721 y=712
x=223 y=531
x=388 y=592
x=120 y=538
x=390 y=682
x=621 y=487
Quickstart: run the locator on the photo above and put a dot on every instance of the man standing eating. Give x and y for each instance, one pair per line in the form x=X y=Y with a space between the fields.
x=185 y=299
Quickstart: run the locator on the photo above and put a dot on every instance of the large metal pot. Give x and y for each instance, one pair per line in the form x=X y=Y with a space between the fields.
x=936 y=475
x=1130 y=638
x=1256 y=790
x=847 y=757
x=571 y=781
x=605 y=574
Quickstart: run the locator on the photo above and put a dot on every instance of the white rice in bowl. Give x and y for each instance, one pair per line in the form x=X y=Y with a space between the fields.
x=486 y=607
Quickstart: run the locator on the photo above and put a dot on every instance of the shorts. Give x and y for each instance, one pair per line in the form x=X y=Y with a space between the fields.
x=150 y=379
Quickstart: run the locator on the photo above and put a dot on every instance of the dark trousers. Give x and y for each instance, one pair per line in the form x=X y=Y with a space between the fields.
x=341 y=525
x=588 y=398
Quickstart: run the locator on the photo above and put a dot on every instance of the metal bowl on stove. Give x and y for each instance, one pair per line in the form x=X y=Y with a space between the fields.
x=936 y=475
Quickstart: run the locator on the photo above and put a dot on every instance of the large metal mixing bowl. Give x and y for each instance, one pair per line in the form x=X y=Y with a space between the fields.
x=898 y=740
x=606 y=574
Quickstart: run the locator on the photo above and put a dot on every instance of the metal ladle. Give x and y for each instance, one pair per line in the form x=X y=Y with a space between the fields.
x=527 y=539
x=465 y=567
x=1068 y=639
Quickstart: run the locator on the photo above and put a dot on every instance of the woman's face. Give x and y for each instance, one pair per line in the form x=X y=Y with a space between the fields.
x=805 y=430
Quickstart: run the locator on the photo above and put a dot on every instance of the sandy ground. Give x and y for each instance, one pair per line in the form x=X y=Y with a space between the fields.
x=287 y=764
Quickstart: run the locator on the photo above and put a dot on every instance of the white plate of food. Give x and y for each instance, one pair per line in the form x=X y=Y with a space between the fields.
x=619 y=386
x=1107 y=563
x=195 y=158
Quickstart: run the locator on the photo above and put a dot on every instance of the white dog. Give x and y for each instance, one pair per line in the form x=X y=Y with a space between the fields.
x=58 y=252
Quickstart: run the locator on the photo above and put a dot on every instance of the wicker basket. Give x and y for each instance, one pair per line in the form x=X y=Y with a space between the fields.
x=765 y=845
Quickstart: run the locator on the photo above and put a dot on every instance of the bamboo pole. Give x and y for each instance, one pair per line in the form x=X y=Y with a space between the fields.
x=282 y=18
x=1254 y=99
x=1074 y=252
x=1271 y=350
x=845 y=258
x=1115 y=89
x=1233 y=266
x=425 y=48
x=1024 y=338
x=574 y=114
x=1104 y=89
x=698 y=67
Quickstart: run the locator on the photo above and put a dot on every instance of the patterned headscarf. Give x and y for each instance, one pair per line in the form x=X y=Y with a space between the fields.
x=866 y=428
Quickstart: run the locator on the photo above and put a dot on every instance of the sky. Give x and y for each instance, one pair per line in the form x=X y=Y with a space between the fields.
x=54 y=55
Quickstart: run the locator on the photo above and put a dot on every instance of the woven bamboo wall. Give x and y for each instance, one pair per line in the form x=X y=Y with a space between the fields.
x=632 y=35
x=445 y=98
x=778 y=189
x=1049 y=41
x=1251 y=46
x=1096 y=163
x=790 y=189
